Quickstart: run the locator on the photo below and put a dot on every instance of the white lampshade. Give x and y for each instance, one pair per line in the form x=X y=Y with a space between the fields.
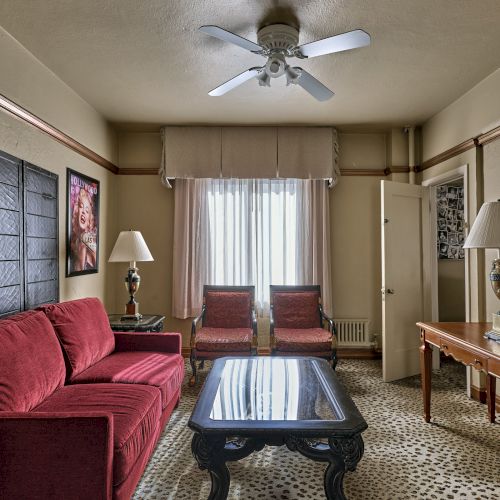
x=485 y=232
x=130 y=247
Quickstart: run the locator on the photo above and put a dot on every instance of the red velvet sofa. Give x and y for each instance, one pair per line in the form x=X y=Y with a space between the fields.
x=81 y=407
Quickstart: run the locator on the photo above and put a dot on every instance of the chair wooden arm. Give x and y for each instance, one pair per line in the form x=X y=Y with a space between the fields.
x=271 y=329
x=324 y=317
x=255 y=342
x=331 y=327
x=195 y=322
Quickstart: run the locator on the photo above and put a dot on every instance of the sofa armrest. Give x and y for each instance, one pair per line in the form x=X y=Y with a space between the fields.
x=157 y=342
x=56 y=455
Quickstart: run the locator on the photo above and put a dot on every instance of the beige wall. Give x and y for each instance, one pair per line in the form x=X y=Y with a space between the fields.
x=366 y=150
x=491 y=156
x=139 y=149
x=451 y=289
x=145 y=205
x=33 y=86
x=356 y=250
x=477 y=111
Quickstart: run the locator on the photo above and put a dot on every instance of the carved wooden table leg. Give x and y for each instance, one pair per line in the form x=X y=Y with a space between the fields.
x=342 y=455
x=345 y=455
x=491 y=395
x=426 y=372
x=209 y=454
x=213 y=452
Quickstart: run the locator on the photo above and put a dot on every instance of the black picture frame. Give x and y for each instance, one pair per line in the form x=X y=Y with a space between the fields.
x=82 y=224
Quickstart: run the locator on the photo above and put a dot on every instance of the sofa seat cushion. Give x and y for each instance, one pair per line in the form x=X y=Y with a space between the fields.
x=162 y=370
x=224 y=339
x=302 y=340
x=136 y=411
x=31 y=361
x=83 y=328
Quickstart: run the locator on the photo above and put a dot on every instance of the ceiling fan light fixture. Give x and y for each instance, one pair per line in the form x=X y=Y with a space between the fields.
x=275 y=65
x=292 y=75
x=264 y=79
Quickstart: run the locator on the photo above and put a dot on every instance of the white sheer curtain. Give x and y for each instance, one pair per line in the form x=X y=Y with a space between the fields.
x=249 y=232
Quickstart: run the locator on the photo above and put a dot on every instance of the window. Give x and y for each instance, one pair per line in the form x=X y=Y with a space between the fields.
x=253 y=233
x=257 y=232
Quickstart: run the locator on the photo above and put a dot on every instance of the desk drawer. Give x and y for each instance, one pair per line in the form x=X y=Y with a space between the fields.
x=432 y=338
x=494 y=367
x=464 y=356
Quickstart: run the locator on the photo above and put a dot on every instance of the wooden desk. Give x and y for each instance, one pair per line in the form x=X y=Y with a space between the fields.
x=465 y=342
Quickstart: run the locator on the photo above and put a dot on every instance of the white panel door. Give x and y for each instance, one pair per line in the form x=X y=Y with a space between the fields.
x=405 y=280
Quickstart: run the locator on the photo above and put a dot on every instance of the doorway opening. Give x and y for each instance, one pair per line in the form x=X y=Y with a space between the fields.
x=449 y=273
x=450 y=226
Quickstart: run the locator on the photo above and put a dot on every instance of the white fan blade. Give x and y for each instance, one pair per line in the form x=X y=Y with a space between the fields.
x=313 y=86
x=338 y=43
x=234 y=82
x=227 y=36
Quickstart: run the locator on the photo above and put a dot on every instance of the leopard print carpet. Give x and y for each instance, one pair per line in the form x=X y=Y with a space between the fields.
x=457 y=456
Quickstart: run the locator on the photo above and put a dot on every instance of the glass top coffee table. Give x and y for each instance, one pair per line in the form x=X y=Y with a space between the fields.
x=248 y=403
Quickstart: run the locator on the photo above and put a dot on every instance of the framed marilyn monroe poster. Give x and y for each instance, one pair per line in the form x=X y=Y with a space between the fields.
x=82 y=234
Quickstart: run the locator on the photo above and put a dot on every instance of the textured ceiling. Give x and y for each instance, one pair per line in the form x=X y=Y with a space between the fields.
x=143 y=63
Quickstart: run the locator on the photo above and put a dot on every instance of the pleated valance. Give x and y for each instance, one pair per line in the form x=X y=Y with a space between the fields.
x=250 y=152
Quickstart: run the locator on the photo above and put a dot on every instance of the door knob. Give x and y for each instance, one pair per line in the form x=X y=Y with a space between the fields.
x=390 y=291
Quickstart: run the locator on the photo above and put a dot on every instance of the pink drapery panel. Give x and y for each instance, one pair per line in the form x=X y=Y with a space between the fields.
x=313 y=239
x=191 y=247
x=249 y=232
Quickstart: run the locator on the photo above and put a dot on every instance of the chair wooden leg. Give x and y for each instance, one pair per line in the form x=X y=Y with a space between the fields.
x=334 y=360
x=202 y=364
x=194 y=376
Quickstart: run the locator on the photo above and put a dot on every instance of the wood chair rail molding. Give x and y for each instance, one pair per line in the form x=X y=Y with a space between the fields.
x=23 y=114
x=474 y=142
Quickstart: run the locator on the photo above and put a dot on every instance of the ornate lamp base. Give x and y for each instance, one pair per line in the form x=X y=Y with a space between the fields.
x=132 y=283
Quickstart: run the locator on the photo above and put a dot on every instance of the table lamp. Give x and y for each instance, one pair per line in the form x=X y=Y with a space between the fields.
x=131 y=247
x=485 y=233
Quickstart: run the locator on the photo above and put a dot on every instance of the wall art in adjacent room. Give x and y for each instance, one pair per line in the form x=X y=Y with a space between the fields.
x=450 y=222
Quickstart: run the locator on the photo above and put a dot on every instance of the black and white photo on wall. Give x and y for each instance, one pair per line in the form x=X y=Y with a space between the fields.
x=82 y=239
x=450 y=226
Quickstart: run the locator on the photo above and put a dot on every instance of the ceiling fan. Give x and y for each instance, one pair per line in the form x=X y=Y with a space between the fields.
x=276 y=42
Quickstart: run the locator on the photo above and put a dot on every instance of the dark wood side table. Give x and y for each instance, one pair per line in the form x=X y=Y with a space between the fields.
x=148 y=323
x=464 y=342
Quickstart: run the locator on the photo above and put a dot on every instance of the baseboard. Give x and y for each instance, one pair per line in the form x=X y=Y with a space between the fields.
x=342 y=352
x=479 y=394
x=358 y=353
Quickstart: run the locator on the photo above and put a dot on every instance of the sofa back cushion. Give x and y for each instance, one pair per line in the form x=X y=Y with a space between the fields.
x=296 y=309
x=228 y=309
x=83 y=328
x=31 y=361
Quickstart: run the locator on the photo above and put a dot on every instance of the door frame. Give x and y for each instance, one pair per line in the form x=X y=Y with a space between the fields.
x=452 y=175
x=461 y=172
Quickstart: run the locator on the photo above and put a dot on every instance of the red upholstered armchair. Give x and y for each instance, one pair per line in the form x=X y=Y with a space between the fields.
x=228 y=325
x=297 y=320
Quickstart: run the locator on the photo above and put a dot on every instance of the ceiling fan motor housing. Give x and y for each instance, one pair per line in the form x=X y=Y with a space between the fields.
x=278 y=38
x=279 y=41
